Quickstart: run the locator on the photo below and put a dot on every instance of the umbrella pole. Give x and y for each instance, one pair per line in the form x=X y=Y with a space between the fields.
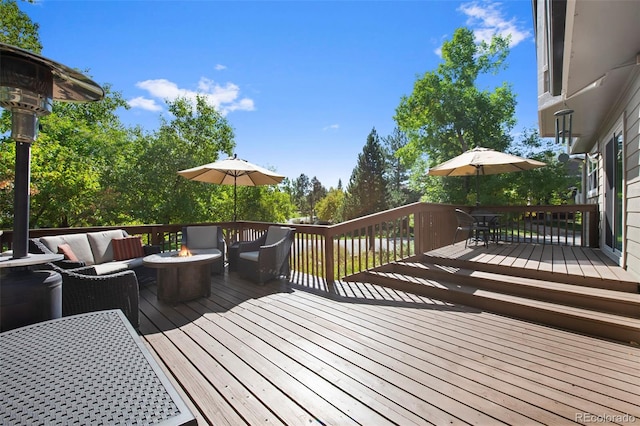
x=477 y=186
x=235 y=200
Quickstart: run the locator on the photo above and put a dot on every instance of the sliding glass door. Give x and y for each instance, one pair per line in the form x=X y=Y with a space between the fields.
x=614 y=174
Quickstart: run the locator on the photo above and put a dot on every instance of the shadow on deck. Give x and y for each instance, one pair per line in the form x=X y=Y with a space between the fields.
x=303 y=352
x=572 y=288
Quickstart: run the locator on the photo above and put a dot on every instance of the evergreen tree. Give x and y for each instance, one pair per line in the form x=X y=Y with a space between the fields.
x=367 y=190
x=397 y=173
x=301 y=189
x=317 y=193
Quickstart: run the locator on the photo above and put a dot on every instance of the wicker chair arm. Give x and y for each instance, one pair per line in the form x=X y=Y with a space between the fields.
x=252 y=245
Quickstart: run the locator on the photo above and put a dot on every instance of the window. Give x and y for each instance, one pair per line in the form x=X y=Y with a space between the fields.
x=592 y=175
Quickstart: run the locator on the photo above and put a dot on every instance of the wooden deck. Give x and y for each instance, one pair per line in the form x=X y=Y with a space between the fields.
x=303 y=353
x=572 y=264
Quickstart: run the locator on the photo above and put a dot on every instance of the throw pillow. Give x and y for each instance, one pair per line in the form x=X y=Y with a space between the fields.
x=68 y=253
x=127 y=248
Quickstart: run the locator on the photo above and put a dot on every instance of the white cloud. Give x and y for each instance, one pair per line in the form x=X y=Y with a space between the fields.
x=225 y=98
x=220 y=67
x=487 y=19
x=144 y=103
x=162 y=89
x=331 y=127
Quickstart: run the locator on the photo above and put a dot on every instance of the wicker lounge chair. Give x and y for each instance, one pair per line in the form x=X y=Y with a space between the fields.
x=83 y=292
x=266 y=258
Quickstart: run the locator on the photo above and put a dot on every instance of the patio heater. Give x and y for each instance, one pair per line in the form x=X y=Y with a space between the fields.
x=29 y=84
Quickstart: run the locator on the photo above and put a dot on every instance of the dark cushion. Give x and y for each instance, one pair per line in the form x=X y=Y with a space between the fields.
x=127 y=248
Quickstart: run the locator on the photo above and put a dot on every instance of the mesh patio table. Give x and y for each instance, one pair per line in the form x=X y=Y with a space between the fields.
x=84 y=369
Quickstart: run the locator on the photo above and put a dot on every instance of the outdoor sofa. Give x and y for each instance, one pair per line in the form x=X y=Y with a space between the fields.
x=105 y=252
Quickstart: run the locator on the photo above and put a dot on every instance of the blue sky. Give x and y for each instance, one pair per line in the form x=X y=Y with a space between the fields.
x=301 y=82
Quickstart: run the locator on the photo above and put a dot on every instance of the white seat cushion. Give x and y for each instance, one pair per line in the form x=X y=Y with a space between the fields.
x=205 y=251
x=79 y=244
x=250 y=255
x=110 y=268
x=101 y=244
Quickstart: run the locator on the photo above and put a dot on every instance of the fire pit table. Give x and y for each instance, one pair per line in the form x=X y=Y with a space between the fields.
x=182 y=278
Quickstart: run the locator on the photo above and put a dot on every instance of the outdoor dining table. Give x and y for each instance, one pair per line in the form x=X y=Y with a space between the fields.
x=489 y=219
x=84 y=369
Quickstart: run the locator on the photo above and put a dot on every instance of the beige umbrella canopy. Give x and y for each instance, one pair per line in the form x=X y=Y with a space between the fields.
x=232 y=171
x=483 y=161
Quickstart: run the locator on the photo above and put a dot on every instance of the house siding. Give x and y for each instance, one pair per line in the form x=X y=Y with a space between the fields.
x=632 y=159
x=627 y=109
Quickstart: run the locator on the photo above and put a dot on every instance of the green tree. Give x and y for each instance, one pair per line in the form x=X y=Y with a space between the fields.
x=17 y=29
x=329 y=208
x=552 y=184
x=447 y=114
x=397 y=173
x=318 y=191
x=78 y=147
x=196 y=135
x=301 y=189
x=367 y=189
x=264 y=204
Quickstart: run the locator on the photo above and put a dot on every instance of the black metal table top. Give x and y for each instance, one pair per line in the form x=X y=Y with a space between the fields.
x=84 y=369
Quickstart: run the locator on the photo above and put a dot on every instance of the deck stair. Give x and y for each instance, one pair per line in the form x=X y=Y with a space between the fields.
x=587 y=309
x=570 y=265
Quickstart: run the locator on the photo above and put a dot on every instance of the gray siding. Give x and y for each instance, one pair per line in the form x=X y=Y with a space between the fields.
x=629 y=109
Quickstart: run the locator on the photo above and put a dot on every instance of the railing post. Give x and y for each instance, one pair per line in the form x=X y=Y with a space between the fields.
x=156 y=238
x=594 y=219
x=328 y=256
x=418 y=232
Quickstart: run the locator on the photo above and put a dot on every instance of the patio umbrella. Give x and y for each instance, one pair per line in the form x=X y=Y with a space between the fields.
x=232 y=171
x=483 y=161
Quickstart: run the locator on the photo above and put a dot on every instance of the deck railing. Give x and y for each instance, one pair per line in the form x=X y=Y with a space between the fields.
x=331 y=252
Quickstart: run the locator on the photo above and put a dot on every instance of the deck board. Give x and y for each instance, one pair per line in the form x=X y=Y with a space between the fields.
x=559 y=261
x=572 y=264
x=308 y=352
x=485 y=352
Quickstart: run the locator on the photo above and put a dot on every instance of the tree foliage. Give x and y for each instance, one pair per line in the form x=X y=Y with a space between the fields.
x=318 y=192
x=329 y=209
x=397 y=172
x=197 y=134
x=447 y=114
x=300 y=189
x=555 y=183
x=17 y=29
x=367 y=190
